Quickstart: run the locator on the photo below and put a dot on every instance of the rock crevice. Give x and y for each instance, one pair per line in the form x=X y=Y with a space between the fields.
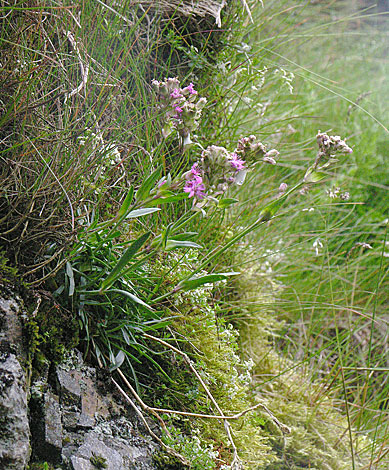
x=67 y=417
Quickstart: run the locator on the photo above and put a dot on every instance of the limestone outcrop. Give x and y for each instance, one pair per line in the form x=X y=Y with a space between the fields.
x=67 y=417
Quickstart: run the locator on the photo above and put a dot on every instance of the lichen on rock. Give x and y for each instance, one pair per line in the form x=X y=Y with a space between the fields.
x=14 y=427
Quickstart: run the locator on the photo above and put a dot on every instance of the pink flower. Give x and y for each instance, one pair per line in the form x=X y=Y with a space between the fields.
x=282 y=189
x=195 y=187
x=178 y=111
x=191 y=90
x=195 y=170
x=176 y=93
x=236 y=162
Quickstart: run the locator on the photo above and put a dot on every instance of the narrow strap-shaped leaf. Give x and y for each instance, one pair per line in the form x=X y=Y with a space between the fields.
x=141 y=212
x=184 y=236
x=132 y=297
x=172 y=244
x=70 y=274
x=165 y=235
x=126 y=204
x=194 y=283
x=223 y=203
x=123 y=261
x=117 y=360
x=270 y=210
x=167 y=199
x=148 y=183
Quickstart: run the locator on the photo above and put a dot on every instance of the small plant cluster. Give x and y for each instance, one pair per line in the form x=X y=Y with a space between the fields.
x=105 y=155
x=253 y=150
x=180 y=108
x=216 y=171
x=199 y=456
x=336 y=193
x=109 y=278
x=329 y=148
x=217 y=168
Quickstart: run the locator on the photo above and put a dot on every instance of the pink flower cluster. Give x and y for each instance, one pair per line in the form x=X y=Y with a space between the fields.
x=179 y=97
x=194 y=185
x=236 y=162
x=175 y=94
x=181 y=107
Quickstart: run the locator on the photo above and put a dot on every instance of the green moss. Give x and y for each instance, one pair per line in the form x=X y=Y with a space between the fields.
x=228 y=380
x=212 y=344
x=165 y=461
x=48 y=334
x=319 y=437
x=8 y=274
x=48 y=331
x=199 y=456
x=40 y=466
x=98 y=461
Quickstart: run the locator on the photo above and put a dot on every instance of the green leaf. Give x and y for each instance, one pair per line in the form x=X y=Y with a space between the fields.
x=315 y=176
x=165 y=192
x=165 y=235
x=132 y=297
x=184 y=236
x=99 y=354
x=141 y=212
x=123 y=261
x=144 y=189
x=165 y=183
x=157 y=324
x=172 y=244
x=126 y=204
x=126 y=336
x=117 y=361
x=70 y=274
x=194 y=283
x=223 y=203
x=168 y=199
x=273 y=207
x=269 y=211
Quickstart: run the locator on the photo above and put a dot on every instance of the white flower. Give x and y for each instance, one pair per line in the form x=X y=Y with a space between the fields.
x=317 y=244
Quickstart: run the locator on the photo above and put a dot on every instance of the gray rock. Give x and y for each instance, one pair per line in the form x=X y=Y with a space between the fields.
x=95 y=428
x=53 y=424
x=94 y=448
x=69 y=386
x=73 y=420
x=14 y=426
x=10 y=325
x=46 y=427
x=79 y=463
x=85 y=421
x=115 y=453
x=70 y=419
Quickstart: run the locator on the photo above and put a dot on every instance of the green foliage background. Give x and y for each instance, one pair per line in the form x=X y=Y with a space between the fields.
x=303 y=330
